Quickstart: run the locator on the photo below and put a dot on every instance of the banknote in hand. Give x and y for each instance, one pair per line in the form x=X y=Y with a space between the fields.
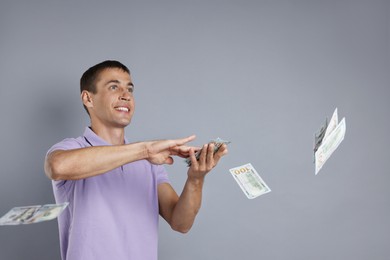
x=218 y=142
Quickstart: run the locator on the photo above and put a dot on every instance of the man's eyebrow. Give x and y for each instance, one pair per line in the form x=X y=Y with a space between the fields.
x=112 y=81
x=118 y=82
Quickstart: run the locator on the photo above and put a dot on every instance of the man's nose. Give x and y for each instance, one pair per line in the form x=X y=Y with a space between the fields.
x=125 y=96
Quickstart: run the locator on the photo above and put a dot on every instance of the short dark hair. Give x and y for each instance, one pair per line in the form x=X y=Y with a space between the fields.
x=89 y=77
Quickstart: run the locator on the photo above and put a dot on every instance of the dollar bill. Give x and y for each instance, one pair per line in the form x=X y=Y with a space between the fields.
x=249 y=181
x=218 y=142
x=32 y=214
x=319 y=136
x=334 y=135
x=332 y=124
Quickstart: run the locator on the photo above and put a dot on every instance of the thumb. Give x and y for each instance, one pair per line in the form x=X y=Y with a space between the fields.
x=169 y=160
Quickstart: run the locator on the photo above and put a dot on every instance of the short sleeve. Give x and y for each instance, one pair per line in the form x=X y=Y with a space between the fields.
x=66 y=144
x=161 y=174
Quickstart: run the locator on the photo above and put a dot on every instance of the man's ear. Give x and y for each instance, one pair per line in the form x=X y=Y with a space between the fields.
x=86 y=98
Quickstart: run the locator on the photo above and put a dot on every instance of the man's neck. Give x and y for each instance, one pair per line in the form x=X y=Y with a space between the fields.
x=114 y=136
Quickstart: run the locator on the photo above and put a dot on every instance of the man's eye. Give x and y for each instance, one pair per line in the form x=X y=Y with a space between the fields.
x=130 y=90
x=113 y=87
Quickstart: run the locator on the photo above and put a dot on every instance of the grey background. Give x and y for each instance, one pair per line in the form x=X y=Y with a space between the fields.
x=263 y=74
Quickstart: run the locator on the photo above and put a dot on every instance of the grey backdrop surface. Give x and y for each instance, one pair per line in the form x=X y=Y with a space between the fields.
x=263 y=74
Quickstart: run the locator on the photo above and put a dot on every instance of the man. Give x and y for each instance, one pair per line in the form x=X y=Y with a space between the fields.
x=116 y=190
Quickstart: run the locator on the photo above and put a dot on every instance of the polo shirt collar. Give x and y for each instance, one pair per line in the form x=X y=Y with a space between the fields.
x=94 y=139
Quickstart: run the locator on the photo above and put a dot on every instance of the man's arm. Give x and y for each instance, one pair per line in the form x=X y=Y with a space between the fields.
x=91 y=161
x=180 y=212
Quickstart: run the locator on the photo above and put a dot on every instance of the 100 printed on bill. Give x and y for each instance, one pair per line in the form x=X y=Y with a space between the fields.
x=249 y=181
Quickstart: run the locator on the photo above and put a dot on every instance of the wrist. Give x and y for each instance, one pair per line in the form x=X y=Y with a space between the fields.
x=195 y=181
x=139 y=150
x=145 y=150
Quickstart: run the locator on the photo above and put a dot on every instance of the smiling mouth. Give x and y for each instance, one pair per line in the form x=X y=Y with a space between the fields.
x=125 y=109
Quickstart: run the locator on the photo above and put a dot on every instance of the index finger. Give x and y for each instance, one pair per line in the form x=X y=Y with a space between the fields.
x=185 y=140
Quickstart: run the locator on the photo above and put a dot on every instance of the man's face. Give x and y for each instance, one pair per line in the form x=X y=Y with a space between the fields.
x=113 y=104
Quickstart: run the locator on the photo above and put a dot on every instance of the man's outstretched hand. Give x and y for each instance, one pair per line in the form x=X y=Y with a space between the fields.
x=161 y=151
x=207 y=161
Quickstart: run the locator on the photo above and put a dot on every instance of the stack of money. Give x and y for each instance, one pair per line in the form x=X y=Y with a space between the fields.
x=218 y=142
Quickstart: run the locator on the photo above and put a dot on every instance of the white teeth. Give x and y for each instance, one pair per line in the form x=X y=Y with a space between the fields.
x=122 y=109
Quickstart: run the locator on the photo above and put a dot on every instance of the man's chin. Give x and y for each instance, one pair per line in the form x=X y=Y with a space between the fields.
x=124 y=123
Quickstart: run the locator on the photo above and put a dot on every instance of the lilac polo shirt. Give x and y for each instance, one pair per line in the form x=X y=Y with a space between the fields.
x=110 y=216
